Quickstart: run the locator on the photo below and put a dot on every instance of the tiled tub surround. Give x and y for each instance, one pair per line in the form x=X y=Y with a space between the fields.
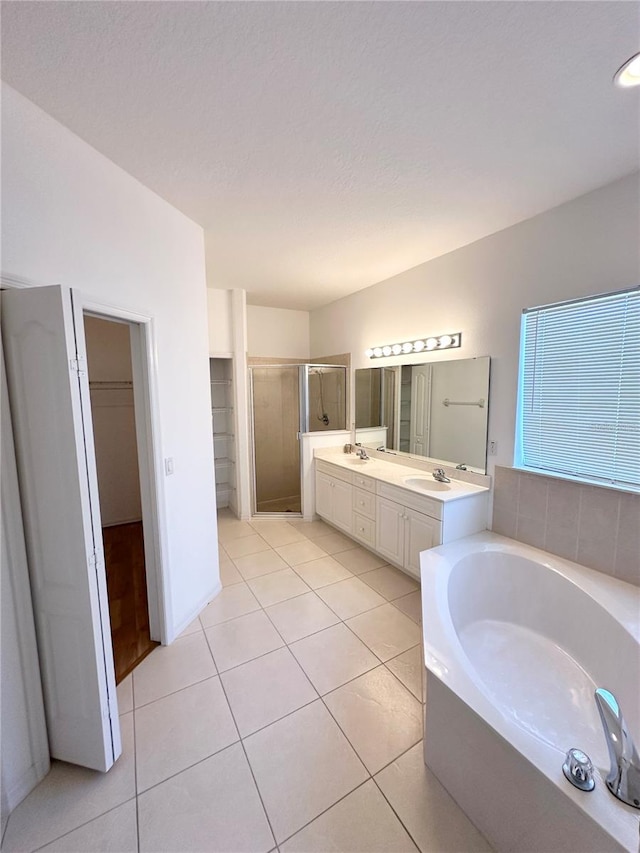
x=508 y=672
x=594 y=526
x=289 y=713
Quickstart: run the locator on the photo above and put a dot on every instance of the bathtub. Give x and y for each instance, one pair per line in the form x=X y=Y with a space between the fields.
x=515 y=643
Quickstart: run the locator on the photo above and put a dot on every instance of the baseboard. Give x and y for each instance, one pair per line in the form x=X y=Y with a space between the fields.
x=197 y=610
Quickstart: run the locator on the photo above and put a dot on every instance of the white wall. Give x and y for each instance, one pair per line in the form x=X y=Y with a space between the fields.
x=587 y=246
x=278 y=333
x=220 y=318
x=71 y=216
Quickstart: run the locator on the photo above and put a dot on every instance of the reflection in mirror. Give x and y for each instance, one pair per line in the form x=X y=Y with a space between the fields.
x=438 y=409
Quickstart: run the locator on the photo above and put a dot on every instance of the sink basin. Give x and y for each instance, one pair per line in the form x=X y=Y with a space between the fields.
x=427 y=484
x=355 y=460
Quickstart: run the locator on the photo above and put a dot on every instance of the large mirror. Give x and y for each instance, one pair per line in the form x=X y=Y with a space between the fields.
x=439 y=410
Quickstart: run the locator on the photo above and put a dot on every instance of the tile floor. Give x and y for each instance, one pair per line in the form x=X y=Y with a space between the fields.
x=287 y=717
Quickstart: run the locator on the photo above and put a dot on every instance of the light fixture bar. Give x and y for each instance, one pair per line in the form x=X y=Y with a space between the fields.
x=421 y=345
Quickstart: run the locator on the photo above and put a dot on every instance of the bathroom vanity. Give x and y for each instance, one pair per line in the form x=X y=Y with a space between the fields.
x=394 y=509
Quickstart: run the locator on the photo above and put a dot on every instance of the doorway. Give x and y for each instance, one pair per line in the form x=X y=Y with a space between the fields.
x=111 y=386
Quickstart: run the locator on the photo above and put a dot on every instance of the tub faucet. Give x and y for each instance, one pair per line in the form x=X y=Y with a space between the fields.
x=624 y=777
x=440 y=476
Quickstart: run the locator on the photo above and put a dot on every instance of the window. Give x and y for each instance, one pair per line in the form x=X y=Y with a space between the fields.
x=579 y=390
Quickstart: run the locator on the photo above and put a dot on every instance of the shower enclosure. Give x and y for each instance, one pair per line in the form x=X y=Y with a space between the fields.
x=288 y=401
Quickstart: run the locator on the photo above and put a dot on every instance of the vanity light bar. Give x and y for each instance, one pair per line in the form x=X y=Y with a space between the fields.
x=423 y=345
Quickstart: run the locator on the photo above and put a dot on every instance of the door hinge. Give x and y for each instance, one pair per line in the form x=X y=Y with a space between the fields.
x=93 y=560
x=78 y=365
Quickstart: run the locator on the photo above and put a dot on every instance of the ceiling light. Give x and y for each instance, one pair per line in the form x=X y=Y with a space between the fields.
x=442 y=342
x=629 y=74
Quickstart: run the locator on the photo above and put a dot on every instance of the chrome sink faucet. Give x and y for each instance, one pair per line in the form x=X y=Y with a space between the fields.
x=362 y=453
x=440 y=476
x=624 y=776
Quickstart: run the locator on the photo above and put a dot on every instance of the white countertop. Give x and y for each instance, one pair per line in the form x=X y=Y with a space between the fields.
x=398 y=475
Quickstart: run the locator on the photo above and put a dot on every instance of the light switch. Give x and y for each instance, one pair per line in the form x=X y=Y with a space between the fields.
x=168 y=466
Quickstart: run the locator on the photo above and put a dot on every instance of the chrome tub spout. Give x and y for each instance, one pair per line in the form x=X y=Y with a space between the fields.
x=624 y=776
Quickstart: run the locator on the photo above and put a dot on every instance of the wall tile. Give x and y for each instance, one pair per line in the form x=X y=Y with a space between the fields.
x=563 y=504
x=506 y=487
x=597 y=553
x=532 y=501
x=531 y=531
x=627 y=563
x=504 y=521
x=561 y=540
x=599 y=513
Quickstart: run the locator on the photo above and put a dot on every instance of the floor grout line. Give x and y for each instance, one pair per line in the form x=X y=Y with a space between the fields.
x=244 y=750
x=318 y=697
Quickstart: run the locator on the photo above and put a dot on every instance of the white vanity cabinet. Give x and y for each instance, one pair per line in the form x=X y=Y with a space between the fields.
x=334 y=496
x=397 y=523
x=407 y=524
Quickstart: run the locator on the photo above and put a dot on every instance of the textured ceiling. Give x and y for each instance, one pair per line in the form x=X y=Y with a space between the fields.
x=325 y=146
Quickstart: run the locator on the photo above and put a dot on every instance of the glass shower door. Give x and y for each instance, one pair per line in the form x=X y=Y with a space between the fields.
x=276 y=426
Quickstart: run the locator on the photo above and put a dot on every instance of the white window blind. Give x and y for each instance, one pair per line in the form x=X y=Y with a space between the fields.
x=579 y=396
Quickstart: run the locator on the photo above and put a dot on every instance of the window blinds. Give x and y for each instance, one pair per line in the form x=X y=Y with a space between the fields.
x=580 y=389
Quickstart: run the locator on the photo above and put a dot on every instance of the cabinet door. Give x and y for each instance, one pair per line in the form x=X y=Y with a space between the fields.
x=323 y=495
x=342 y=497
x=390 y=530
x=421 y=533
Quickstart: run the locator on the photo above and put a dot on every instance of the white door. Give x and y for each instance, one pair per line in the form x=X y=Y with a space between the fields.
x=43 y=339
x=420 y=408
x=323 y=495
x=390 y=530
x=342 y=500
x=421 y=533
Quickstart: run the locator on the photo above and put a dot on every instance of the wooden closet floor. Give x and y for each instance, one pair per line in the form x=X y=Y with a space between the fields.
x=127 y=588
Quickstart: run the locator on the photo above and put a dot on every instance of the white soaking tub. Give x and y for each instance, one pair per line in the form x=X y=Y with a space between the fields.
x=516 y=641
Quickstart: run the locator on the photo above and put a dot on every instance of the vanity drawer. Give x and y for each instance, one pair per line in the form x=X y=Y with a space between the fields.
x=366 y=483
x=364 y=529
x=364 y=503
x=411 y=500
x=334 y=471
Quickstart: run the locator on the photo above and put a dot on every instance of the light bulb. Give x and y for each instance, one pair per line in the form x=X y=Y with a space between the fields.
x=445 y=341
x=418 y=346
x=377 y=352
x=368 y=353
x=432 y=343
x=386 y=350
x=629 y=74
x=408 y=347
x=396 y=349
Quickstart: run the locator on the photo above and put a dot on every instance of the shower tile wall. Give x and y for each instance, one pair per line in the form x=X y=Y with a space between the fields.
x=596 y=527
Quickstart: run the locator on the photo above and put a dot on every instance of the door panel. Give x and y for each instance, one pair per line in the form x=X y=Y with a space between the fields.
x=420 y=405
x=54 y=445
x=421 y=533
x=390 y=530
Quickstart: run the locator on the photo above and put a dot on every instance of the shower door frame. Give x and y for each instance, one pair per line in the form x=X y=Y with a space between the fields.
x=252 y=436
x=303 y=428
